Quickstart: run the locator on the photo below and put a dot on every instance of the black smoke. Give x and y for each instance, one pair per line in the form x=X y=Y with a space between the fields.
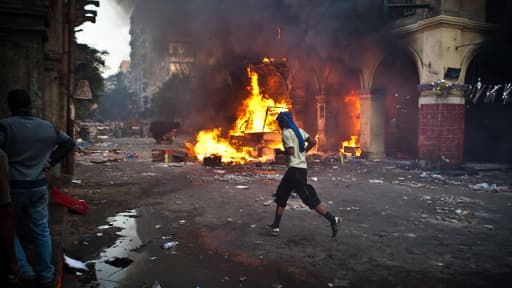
x=314 y=36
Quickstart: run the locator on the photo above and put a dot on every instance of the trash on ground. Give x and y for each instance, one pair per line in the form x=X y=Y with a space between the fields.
x=75 y=264
x=484 y=186
x=69 y=201
x=169 y=245
x=376 y=181
x=242 y=187
x=119 y=262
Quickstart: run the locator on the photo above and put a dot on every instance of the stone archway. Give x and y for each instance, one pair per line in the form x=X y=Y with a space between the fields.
x=396 y=77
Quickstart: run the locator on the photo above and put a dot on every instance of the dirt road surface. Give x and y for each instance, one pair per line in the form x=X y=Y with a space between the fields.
x=401 y=227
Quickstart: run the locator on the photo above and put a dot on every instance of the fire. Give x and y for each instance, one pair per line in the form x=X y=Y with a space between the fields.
x=210 y=142
x=352 y=146
x=255 y=115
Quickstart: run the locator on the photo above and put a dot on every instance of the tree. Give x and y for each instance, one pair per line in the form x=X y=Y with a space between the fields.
x=90 y=70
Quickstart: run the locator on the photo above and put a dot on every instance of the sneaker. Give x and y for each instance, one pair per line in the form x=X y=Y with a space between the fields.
x=334 y=226
x=275 y=230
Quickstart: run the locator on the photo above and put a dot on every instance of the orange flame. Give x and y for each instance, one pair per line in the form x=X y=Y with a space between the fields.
x=352 y=146
x=253 y=115
x=210 y=142
x=256 y=114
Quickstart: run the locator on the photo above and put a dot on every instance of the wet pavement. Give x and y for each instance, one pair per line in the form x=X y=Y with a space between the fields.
x=401 y=227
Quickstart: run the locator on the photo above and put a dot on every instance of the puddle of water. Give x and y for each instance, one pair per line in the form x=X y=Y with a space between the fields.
x=109 y=276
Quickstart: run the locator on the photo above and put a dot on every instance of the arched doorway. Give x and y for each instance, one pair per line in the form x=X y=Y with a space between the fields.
x=397 y=78
x=487 y=136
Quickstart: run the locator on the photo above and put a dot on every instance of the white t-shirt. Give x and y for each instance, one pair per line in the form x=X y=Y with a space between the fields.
x=297 y=159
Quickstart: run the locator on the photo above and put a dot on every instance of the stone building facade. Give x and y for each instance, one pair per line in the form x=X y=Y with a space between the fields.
x=38 y=54
x=438 y=41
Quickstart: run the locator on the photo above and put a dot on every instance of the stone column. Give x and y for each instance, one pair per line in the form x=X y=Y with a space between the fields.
x=373 y=128
x=320 y=122
x=441 y=127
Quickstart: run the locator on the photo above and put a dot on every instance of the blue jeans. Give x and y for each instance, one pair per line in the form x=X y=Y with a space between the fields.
x=31 y=208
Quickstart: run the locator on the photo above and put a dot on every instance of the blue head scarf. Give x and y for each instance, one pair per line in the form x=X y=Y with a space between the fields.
x=286 y=117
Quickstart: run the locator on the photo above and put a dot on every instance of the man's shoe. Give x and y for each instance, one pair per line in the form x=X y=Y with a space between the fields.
x=275 y=230
x=334 y=226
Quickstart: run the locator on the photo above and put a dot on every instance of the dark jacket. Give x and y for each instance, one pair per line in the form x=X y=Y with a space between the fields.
x=30 y=143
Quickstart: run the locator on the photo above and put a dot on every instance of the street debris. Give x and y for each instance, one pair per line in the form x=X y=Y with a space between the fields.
x=376 y=181
x=75 y=264
x=119 y=262
x=242 y=187
x=169 y=245
x=484 y=187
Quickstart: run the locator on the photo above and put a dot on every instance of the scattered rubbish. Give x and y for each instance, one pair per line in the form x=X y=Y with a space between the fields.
x=182 y=221
x=243 y=278
x=414 y=184
x=490 y=227
x=268 y=203
x=152 y=258
x=169 y=245
x=148 y=174
x=158 y=226
x=437 y=176
x=69 y=201
x=76 y=181
x=219 y=171
x=212 y=161
x=376 y=181
x=166 y=237
x=484 y=186
x=242 y=187
x=119 y=262
x=99 y=234
x=253 y=226
x=75 y=264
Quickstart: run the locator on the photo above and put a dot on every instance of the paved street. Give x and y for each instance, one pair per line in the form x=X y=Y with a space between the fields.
x=401 y=227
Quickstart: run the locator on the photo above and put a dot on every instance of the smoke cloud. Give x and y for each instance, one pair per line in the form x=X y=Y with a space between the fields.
x=318 y=38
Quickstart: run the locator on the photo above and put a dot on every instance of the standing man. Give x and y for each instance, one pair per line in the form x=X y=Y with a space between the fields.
x=9 y=272
x=295 y=178
x=32 y=146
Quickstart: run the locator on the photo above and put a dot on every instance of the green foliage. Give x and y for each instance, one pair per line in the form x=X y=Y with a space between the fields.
x=91 y=71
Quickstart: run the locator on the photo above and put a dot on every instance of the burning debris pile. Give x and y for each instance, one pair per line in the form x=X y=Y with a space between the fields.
x=254 y=134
